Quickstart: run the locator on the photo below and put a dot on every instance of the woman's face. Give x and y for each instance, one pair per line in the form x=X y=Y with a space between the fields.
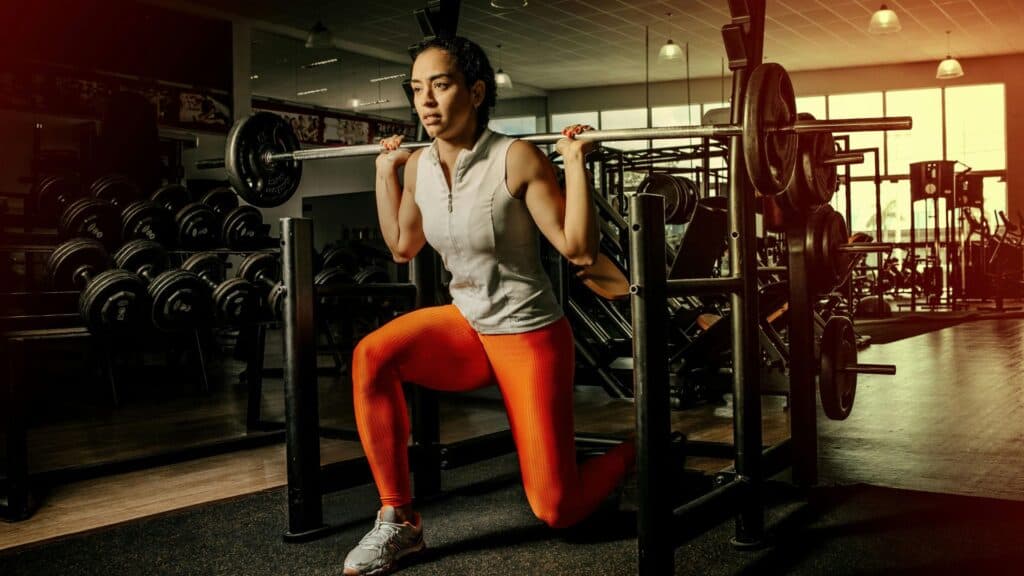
x=445 y=105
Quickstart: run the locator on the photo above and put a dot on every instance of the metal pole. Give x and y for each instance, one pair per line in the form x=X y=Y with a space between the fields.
x=426 y=420
x=650 y=382
x=746 y=349
x=302 y=419
x=802 y=400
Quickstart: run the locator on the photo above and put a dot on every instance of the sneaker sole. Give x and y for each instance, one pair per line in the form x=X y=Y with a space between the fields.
x=382 y=571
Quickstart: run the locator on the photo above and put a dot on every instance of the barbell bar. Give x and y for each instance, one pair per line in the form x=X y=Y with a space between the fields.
x=262 y=154
x=618 y=135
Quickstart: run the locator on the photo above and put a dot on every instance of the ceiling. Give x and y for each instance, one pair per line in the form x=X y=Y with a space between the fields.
x=557 y=44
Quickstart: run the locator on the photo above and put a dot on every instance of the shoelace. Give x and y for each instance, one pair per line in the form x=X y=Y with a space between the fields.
x=380 y=535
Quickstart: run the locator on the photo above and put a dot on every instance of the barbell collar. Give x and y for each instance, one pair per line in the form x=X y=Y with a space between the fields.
x=843 y=160
x=866 y=247
x=882 y=369
x=624 y=134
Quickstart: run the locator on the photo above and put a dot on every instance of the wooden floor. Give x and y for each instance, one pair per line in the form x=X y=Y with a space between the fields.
x=950 y=421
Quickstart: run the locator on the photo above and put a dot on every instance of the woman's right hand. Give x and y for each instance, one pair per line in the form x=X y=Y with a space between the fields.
x=391 y=155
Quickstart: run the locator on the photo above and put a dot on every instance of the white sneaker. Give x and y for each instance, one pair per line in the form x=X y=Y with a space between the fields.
x=381 y=549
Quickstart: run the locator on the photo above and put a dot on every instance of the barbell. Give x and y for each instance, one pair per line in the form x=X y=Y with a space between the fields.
x=263 y=159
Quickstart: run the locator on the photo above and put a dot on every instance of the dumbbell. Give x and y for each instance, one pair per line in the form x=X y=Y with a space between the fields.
x=196 y=223
x=241 y=227
x=110 y=299
x=140 y=219
x=80 y=217
x=234 y=300
x=263 y=270
x=179 y=297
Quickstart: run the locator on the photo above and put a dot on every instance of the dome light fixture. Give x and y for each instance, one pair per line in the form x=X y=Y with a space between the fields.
x=670 y=51
x=950 y=67
x=884 y=21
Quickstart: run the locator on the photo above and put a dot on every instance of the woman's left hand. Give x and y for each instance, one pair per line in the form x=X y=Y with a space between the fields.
x=570 y=145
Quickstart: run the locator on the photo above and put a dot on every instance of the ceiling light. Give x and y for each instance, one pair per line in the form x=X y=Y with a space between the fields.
x=884 y=21
x=670 y=51
x=508 y=4
x=254 y=77
x=319 y=63
x=319 y=36
x=501 y=78
x=950 y=67
x=353 y=103
x=386 y=78
x=313 y=91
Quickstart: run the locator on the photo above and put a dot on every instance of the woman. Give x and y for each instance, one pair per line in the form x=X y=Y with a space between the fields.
x=479 y=198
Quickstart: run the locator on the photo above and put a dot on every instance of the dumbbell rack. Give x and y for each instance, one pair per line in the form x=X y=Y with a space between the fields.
x=43 y=317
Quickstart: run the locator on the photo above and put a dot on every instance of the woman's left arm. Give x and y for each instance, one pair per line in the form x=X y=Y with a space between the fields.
x=568 y=220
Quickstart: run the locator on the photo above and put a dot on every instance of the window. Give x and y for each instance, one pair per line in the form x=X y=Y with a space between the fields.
x=560 y=121
x=630 y=118
x=514 y=126
x=924 y=141
x=814 y=105
x=976 y=126
x=864 y=105
x=675 y=116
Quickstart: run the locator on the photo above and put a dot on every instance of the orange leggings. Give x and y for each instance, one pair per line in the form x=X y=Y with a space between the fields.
x=437 y=348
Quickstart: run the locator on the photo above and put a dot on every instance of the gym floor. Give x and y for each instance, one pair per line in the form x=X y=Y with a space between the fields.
x=949 y=422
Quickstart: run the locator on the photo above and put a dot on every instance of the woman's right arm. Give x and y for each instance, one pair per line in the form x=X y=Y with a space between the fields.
x=400 y=219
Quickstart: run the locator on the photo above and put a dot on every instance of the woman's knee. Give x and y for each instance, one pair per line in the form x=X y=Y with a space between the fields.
x=557 y=511
x=371 y=356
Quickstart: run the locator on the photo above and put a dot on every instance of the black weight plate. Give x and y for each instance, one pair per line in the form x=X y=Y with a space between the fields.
x=174 y=197
x=260 y=264
x=205 y=265
x=276 y=300
x=144 y=220
x=257 y=182
x=180 y=301
x=114 y=300
x=69 y=260
x=221 y=199
x=838 y=387
x=236 y=302
x=691 y=195
x=91 y=218
x=826 y=232
x=372 y=275
x=770 y=107
x=139 y=255
x=667 y=187
x=117 y=189
x=242 y=227
x=333 y=276
x=55 y=193
x=338 y=257
x=197 y=227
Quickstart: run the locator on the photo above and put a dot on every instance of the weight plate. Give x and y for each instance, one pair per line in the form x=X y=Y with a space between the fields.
x=837 y=386
x=826 y=232
x=770 y=108
x=174 y=197
x=337 y=257
x=139 y=255
x=70 y=260
x=180 y=301
x=257 y=182
x=372 y=275
x=91 y=218
x=258 y=264
x=197 y=227
x=144 y=220
x=236 y=302
x=117 y=189
x=54 y=193
x=333 y=276
x=242 y=227
x=667 y=187
x=205 y=265
x=114 y=300
x=221 y=199
x=276 y=300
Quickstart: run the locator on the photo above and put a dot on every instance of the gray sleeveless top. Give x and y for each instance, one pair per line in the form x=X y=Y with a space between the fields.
x=487 y=239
